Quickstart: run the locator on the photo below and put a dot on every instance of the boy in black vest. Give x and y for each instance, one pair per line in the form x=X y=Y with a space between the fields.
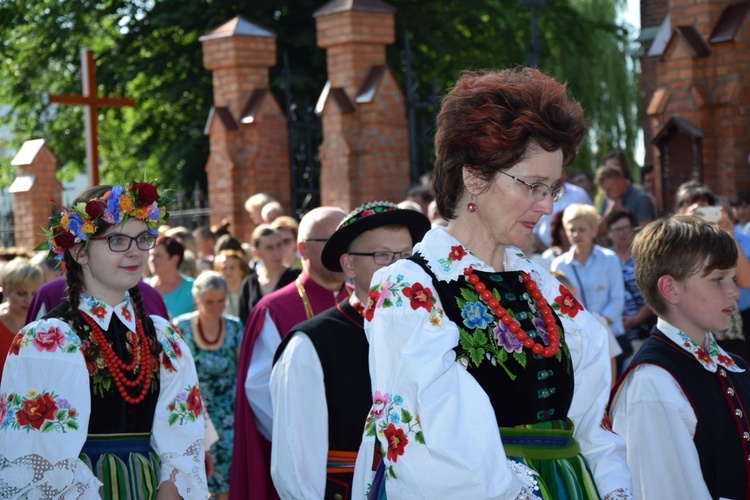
x=320 y=383
x=681 y=405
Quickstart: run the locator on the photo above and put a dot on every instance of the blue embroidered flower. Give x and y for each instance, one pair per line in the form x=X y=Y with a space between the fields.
x=476 y=315
x=541 y=330
x=506 y=338
x=395 y=418
x=397 y=400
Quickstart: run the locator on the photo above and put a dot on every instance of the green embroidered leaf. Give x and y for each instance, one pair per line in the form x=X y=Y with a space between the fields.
x=72 y=425
x=521 y=358
x=61 y=415
x=70 y=348
x=172 y=418
x=191 y=416
x=465 y=339
x=479 y=338
x=419 y=437
x=182 y=406
x=502 y=355
x=47 y=426
x=406 y=417
x=469 y=295
x=476 y=354
x=370 y=429
x=17 y=401
x=391 y=474
x=387 y=303
x=555 y=306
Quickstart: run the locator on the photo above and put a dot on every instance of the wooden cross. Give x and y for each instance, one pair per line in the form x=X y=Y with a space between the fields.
x=91 y=101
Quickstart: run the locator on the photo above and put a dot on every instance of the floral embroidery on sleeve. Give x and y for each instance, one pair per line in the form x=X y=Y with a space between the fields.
x=390 y=294
x=42 y=412
x=394 y=425
x=46 y=338
x=186 y=406
x=566 y=303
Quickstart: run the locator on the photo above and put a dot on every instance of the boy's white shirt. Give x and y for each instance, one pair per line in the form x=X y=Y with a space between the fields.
x=658 y=423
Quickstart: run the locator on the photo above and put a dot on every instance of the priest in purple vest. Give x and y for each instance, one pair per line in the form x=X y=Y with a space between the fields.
x=320 y=384
x=314 y=291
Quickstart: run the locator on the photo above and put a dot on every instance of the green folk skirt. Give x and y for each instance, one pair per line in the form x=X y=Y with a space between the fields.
x=549 y=449
x=125 y=464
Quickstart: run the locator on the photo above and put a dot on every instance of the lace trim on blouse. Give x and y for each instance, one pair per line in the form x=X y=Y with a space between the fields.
x=33 y=476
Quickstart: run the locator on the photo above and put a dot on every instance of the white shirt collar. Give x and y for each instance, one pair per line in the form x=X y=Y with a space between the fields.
x=102 y=313
x=710 y=360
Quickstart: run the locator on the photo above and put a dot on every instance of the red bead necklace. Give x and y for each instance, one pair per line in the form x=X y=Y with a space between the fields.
x=205 y=340
x=117 y=367
x=513 y=325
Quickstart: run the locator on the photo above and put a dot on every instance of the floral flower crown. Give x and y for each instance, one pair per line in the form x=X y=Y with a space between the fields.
x=139 y=200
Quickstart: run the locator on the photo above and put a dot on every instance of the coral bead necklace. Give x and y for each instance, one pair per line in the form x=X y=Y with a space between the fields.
x=117 y=367
x=498 y=310
x=206 y=341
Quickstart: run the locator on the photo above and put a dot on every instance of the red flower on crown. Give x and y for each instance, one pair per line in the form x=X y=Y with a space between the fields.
x=145 y=193
x=95 y=209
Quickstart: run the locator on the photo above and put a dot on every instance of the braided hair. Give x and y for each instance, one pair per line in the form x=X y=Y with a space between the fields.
x=74 y=277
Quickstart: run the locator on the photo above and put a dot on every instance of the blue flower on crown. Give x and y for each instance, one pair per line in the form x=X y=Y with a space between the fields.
x=74 y=225
x=113 y=203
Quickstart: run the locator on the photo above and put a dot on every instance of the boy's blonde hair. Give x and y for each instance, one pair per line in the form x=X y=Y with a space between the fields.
x=19 y=272
x=679 y=246
x=581 y=211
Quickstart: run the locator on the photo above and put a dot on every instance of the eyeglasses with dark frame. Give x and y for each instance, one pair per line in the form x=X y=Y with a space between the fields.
x=122 y=242
x=538 y=191
x=384 y=258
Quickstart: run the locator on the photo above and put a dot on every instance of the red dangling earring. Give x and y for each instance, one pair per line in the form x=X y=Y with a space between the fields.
x=471 y=207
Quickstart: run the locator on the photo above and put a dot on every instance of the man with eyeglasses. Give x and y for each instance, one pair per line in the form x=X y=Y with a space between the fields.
x=49 y=295
x=315 y=290
x=571 y=194
x=320 y=384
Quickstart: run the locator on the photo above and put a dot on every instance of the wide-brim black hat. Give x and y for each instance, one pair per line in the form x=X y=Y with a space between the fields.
x=365 y=218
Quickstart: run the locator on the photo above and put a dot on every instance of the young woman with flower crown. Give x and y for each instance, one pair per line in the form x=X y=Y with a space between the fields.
x=97 y=393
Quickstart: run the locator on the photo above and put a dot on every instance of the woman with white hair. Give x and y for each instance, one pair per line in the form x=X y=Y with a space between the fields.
x=214 y=339
x=595 y=271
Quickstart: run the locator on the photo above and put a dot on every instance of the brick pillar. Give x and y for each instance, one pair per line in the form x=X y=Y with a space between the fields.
x=365 y=151
x=702 y=76
x=246 y=127
x=32 y=191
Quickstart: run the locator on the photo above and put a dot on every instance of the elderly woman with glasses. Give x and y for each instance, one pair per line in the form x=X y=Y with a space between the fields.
x=489 y=378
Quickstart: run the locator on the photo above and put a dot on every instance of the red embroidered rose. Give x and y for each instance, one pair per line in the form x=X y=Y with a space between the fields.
x=95 y=209
x=703 y=356
x=568 y=303
x=98 y=311
x=725 y=360
x=145 y=193
x=420 y=296
x=194 y=403
x=170 y=406
x=15 y=347
x=62 y=238
x=372 y=302
x=166 y=362
x=49 y=340
x=92 y=367
x=72 y=412
x=36 y=411
x=397 y=441
x=176 y=348
x=126 y=313
x=457 y=252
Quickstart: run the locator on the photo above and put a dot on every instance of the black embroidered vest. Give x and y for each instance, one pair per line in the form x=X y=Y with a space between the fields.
x=524 y=388
x=719 y=401
x=338 y=336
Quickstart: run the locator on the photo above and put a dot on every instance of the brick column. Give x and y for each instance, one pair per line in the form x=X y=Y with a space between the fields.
x=32 y=191
x=246 y=127
x=365 y=152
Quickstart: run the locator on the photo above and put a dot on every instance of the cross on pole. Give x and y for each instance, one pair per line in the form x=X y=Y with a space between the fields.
x=91 y=102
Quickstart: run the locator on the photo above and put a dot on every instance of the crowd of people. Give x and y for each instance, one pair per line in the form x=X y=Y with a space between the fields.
x=505 y=331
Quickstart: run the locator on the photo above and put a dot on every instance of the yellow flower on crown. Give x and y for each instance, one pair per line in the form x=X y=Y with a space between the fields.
x=126 y=203
x=64 y=221
x=88 y=227
x=141 y=213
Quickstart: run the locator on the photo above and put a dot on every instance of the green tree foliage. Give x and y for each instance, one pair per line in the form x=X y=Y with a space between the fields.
x=149 y=50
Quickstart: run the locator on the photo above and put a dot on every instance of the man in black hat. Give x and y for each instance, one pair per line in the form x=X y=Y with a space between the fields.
x=320 y=384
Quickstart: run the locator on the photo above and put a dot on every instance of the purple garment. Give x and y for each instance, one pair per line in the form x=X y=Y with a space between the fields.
x=53 y=292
